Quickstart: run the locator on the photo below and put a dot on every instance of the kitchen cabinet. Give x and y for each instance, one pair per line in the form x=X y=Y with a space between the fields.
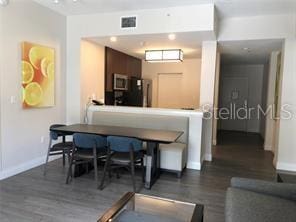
x=121 y=63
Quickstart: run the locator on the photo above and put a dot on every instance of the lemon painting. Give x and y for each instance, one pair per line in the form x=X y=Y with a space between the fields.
x=37 y=65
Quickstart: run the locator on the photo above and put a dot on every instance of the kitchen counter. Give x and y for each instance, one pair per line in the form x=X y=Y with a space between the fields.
x=199 y=136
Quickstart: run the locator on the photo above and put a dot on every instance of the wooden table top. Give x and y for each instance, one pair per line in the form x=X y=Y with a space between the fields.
x=163 y=136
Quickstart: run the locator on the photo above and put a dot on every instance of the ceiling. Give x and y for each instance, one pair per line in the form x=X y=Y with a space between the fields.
x=234 y=52
x=248 y=52
x=135 y=45
x=225 y=8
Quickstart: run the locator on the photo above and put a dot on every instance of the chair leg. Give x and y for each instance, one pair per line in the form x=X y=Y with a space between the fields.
x=95 y=165
x=133 y=175
x=143 y=170
x=132 y=165
x=87 y=167
x=117 y=173
x=109 y=171
x=69 y=155
x=106 y=168
x=64 y=158
x=47 y=156
x=70 y=168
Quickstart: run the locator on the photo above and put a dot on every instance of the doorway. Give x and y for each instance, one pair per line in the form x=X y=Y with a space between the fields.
x=241 y=95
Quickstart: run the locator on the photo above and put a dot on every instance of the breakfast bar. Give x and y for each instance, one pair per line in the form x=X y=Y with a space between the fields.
x=191 y=122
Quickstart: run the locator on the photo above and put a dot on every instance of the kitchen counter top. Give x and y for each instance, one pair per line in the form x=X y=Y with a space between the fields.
x=159 y=111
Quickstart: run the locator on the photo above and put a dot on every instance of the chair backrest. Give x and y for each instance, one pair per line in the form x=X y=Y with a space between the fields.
x=55 y=135
x=123 y=144
x=146 y=121
x=88 y=141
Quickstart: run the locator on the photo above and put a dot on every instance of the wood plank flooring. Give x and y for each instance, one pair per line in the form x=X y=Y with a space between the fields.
x=32 y=197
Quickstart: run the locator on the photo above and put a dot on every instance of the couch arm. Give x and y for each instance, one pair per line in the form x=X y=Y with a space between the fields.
x=282 y=190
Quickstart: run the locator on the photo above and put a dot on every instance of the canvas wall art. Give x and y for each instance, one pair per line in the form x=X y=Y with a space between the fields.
x=38 y=73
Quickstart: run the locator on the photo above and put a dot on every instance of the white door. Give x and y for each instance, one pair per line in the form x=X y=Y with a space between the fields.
x=169 y=90
x=233 y=101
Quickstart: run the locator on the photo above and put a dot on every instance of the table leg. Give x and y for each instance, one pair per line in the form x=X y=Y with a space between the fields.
x=152 y=164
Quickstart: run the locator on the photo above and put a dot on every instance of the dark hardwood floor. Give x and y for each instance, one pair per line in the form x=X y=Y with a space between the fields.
x=32 y=197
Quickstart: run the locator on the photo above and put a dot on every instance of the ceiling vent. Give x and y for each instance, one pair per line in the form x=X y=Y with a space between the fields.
x=128 y=22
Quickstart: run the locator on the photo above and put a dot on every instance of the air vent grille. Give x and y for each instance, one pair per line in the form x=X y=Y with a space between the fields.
x=127 y=22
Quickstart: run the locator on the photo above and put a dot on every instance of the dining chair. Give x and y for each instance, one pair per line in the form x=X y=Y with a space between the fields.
x=123 y=152
x=59 y=148
x=87 y=148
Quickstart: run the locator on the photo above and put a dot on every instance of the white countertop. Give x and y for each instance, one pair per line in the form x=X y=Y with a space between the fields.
x=146 y=110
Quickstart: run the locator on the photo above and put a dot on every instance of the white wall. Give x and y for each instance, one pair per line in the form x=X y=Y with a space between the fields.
x=286 y=152
x=1 y=71
x=264 y=100
x=257 y=27
x=216 y=99
x=196 y=18
x=269 y=121
x=21 y=130
x=208 y=72
x=207 y=90
x=92 y=59
x=189 y=87
x=254 y=73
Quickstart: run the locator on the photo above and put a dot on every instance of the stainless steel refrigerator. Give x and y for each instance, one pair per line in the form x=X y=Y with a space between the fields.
x=140 y=92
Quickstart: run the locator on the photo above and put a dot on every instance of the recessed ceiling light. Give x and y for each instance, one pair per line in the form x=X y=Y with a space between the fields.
x=172 y=36
x=246 y=49
x=113 y=39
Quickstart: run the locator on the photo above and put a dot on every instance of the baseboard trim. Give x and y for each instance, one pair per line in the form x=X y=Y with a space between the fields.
x=6 y=173
x=208 y=157
x=268 y=148
x=286 y=166
x=194 y=165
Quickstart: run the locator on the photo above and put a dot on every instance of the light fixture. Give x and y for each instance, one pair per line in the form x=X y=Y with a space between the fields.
x=113 y=39
x=172 y=36
x=169 y=55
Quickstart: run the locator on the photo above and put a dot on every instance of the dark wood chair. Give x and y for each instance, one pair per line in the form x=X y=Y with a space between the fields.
x=87 y=148
x=59 y=148
x=123 y=152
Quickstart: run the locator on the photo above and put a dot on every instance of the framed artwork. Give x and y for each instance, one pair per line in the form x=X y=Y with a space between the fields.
x=38 y=73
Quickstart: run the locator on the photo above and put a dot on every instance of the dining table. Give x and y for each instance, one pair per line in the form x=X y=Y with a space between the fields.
x=152 y=137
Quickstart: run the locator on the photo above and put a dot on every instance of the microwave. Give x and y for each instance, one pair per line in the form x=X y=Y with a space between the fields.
x=120 y=82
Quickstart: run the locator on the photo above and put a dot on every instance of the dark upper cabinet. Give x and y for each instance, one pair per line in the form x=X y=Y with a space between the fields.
x=121 y=63
x=134 y=67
